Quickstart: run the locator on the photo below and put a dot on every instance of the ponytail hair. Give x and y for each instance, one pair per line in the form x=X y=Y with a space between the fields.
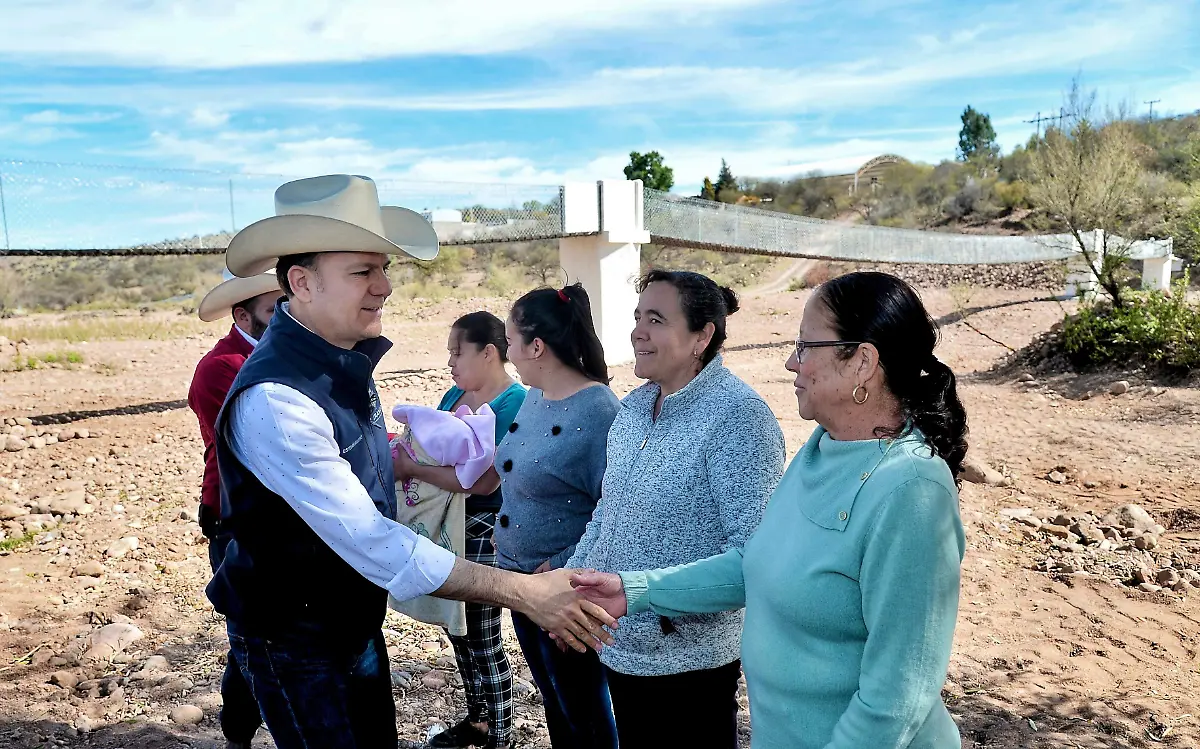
x=562 y=318
x=883 y=310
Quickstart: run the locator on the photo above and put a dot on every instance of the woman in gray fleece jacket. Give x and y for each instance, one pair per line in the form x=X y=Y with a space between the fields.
x=693 y=456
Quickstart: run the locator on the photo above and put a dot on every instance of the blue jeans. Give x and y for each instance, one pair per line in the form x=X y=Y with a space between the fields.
x=320 y=691
x=239 y=712
x=574 y=690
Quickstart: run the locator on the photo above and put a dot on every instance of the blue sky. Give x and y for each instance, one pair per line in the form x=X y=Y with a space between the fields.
x=544 y=91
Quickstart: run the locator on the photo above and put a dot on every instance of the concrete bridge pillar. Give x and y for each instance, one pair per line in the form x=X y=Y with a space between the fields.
x=606 y=255
x=1081 y=279
x=1156 y=272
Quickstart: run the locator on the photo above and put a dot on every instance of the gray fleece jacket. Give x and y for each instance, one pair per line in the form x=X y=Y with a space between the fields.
x=688 y=486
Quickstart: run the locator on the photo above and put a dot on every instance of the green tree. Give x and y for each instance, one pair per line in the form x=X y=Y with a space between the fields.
x=709 y=190
x=650 y=169
x=726 y=188
x=977 y=139
x=1186 y=229
x=1089 y=177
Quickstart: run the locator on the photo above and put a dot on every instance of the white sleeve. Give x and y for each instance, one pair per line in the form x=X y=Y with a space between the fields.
x=286 y=440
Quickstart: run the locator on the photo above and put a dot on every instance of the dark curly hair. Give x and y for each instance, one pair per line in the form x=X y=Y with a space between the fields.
x=883 y=310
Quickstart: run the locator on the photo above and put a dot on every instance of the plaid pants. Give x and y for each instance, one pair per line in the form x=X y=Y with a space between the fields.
x=482 y=663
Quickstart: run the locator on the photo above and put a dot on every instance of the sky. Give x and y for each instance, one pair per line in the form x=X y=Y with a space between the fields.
x=539 y=92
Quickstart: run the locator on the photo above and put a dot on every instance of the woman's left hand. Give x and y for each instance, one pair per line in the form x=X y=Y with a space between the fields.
x=604 y=589
x=403 y=465
x=543 y=567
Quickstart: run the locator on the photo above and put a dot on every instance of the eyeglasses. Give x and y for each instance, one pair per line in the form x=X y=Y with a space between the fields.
x=802 y=346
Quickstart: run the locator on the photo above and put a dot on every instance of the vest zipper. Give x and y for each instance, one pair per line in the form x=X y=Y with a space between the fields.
x=371 y=455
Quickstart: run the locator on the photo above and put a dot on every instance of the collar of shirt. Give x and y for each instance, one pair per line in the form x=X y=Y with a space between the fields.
x=831 y=473
x=644 y=398
x=249 y=338
x=284 y=305
x=372 y=348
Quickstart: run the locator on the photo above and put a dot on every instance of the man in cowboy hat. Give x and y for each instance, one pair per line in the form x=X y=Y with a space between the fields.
x=307 y=486
x=251 y=301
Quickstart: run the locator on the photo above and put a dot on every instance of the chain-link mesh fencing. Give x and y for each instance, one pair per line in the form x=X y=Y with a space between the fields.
x=695 y=222
x=91 y=209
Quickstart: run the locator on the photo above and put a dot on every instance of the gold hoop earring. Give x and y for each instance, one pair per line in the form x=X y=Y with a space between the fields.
x=854 y=395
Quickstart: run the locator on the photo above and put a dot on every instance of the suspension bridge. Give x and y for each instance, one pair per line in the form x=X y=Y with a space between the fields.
x=52 y=209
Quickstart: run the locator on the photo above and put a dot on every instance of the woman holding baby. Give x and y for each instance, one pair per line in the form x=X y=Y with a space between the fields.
x=478 y=352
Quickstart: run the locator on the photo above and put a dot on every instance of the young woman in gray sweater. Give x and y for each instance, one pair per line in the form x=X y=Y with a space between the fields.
x=551 y=464
x=693 y=456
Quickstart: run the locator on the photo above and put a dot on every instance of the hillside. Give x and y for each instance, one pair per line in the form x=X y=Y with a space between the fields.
x=81 y=283
x=992 y=193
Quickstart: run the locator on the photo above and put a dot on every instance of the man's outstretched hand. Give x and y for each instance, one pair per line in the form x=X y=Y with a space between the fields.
x=551 y=603
x=604 y=589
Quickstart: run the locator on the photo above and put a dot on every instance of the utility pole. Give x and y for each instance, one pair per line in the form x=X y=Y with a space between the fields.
x=4 y=213
x=1152 y=103
x=232 y=218
x=1038 y=120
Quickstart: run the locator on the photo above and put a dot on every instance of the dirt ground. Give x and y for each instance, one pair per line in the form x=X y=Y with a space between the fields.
x=1043 y=657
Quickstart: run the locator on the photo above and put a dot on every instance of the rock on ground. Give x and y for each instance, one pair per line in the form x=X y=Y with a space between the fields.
x=187 y=715
x=12 y=512
x=89 y=569
x=122 y=547
x=976 y=471
x=64 y=679
x=1131 y=516
x=110 y=640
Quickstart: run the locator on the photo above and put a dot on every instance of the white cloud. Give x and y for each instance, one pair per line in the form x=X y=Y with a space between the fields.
x=25 y=135
x=773 y=160
x=281 y=151
x=185 y=218
x=236 y=33
x=775 y=151
x=1105 y=38
x=868 y=82
x=208 y=118
x=55 y=117
x=1178 y=98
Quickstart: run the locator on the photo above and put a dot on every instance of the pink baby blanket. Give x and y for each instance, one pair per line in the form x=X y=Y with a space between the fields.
x=460 y=438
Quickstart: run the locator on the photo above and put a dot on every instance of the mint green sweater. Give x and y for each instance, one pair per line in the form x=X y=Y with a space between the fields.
x=850 y=586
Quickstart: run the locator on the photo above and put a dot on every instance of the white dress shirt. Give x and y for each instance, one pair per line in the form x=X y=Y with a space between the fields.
x=286 y=440
x=249 y=338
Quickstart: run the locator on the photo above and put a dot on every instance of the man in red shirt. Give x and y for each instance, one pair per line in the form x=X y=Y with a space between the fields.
x=252 y=303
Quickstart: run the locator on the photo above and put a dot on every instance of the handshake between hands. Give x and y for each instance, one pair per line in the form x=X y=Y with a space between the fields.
x=579 y=607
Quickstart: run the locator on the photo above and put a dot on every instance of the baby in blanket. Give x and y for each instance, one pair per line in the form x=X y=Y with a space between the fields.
x=462 y=439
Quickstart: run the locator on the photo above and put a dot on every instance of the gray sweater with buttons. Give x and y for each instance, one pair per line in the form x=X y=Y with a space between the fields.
x=551 y=463
x=688 y=486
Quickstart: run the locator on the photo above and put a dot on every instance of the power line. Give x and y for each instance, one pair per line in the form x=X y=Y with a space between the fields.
x=1038 y=120
x=1152 y=103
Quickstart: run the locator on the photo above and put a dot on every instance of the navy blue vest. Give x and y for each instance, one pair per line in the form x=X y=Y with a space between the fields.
x=278 y=577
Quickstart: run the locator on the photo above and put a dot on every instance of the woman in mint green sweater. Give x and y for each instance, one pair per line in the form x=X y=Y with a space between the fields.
x=850 y=584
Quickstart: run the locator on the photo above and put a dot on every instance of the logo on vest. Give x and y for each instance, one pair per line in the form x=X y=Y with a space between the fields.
x=353 y=445
x=376 y=408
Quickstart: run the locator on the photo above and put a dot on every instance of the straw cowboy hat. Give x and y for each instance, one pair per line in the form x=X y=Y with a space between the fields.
x=219 y=302
x=335 y=213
